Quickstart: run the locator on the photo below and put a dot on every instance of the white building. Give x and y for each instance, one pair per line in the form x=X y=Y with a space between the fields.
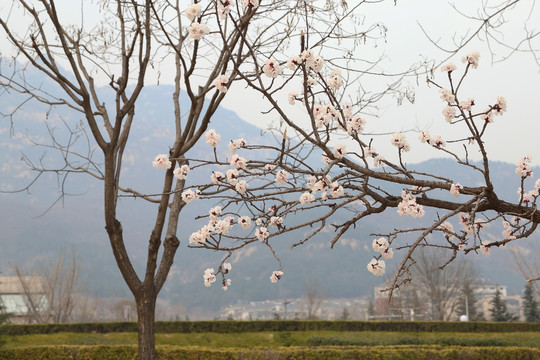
x=19 y=295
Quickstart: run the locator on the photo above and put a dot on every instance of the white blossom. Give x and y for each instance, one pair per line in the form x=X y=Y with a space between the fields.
x=162 y=161
x=276 y=275
x=376 y=267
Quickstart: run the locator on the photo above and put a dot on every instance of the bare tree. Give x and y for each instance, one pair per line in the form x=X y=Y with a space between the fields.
x=528 y=263
x=252 y=42
x=443 y=287
x=52 y=292
x=314 y=299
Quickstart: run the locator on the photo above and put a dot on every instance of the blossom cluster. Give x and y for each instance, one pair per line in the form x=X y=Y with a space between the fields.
x=523 y=168
x=435 y=141
x=216 y=226
x=382 y=246
x=408 y=206
x=181 y=172
x=472 y=59
x=399 y=141
x=323 y=185
x=448 y=230
x=313 y=63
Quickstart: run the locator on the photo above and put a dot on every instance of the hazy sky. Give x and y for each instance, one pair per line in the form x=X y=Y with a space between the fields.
x=517 y=79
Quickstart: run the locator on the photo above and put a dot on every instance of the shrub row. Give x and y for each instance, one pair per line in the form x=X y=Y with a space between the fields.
x=123 y=352
x=275 y=325
x=413 y=339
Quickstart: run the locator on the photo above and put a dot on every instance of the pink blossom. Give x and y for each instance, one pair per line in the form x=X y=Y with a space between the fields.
x=197 y=31
x=500 y=106
x=472 y=58
x=193 y=11
x=236 y=144
x=281 y=177
x=409 y=207
x=378 y=161
x=238 y=161
x=484 y=249
x=339 y=151
x=455 y=189
x=225 y=284
x=181 y=172
x=449 y=113
x=336 y=190
x=261 y=233
x=162 y=161
x=448 y=67
x=376 y=267
x=212 y=138
x=222 y=227
x=487 y=116
x=307 y=55
x=250 y=3
x=190 y=195
x=214 y=213
x=221 y=83
x=293 y=62
x=292 y=97
x=306 y=198
x=398 y=140
x=522 y=167
x=355 y=123
x=241 y=187
x=437 y=141
x=232 y=176
x=336 y=80
x=448 y=230
x=388 y=254
x=379 y=245
x=209 y=277
x=347 y=110
x=369 y=152
x=276 y=221
x=447 y=96
x=271 y=68
x=466 y=105
x=224 y=8
x=317 y=64
x=197 y=238
x=244 y=221
x=276 y=275
x=217 y=177
x=424 y=136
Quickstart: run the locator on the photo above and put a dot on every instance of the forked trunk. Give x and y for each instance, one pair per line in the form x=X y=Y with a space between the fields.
x=146 y=327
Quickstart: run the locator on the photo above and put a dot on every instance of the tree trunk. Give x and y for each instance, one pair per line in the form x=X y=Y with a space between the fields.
x=146 y=307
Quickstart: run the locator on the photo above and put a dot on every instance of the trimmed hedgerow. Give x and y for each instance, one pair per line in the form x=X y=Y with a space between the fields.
x=125 y=352
x=275 y=325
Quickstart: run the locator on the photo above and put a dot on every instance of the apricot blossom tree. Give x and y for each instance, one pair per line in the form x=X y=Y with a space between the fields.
x=294 y=54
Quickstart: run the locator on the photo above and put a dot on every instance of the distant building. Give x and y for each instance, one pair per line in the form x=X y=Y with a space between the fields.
x=411 y=303
x=16 y=297
x=329 y=309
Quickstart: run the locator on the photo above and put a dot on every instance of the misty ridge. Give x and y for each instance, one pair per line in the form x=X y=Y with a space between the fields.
x=38 y=223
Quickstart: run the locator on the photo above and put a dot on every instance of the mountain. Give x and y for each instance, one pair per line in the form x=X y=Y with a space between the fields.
x=34 y=232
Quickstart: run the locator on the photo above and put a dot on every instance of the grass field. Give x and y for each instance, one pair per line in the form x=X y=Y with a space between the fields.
x=281 y=339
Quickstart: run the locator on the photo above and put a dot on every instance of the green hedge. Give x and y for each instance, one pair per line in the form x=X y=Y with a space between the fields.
x=292 y=353
x=275 y=325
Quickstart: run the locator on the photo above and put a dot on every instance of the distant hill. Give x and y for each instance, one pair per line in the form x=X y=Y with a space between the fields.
x=28 y=238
